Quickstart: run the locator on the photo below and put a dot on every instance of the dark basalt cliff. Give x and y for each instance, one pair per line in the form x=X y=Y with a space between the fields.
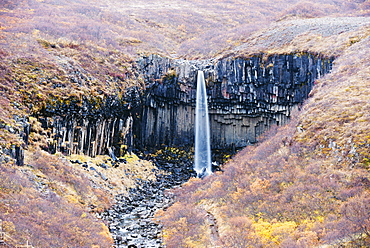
x=92 y=126
x=246 y=96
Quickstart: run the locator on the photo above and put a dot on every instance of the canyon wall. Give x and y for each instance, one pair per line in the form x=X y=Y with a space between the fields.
x=246 y=96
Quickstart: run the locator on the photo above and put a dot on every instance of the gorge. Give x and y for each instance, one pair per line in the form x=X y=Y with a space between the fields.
x=246 y=97
x=98 y=111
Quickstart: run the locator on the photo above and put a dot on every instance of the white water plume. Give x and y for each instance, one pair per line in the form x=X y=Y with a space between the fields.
x=202 y=157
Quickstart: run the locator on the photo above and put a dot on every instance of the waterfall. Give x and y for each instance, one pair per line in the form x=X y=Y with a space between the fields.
x=202 y=157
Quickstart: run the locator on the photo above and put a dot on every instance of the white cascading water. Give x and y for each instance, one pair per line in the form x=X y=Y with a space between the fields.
x=202 y=156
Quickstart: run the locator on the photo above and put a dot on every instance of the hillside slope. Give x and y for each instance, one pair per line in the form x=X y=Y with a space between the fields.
x=189 y=28
x=305 y=184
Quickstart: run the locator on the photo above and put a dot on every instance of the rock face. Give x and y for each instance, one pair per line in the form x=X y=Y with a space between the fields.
x=92 y=126
x=246 y=96
x=16 y=151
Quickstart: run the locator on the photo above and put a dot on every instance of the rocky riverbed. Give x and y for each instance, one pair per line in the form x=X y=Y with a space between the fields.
x=131 y=220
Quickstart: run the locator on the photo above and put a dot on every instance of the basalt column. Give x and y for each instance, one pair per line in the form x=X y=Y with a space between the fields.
x=92 y=126
x=246 y=96
x=167 y=119
x=249 y=95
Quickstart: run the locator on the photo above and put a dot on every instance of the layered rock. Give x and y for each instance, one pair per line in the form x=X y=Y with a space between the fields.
x=246 y=96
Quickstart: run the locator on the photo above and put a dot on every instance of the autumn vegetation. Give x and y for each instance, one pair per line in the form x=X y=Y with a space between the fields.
x=303 y=185
x=50 y=205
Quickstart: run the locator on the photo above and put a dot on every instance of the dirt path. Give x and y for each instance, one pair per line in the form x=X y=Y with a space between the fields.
x=215 y=236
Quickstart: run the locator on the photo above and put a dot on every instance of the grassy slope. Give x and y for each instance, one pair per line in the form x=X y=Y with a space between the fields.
x=306 y=184
x=46 y=203
x=46 y=44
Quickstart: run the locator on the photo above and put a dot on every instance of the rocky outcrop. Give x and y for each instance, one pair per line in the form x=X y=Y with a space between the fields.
x=16 y=150
x=246 y=96
x=91 y=126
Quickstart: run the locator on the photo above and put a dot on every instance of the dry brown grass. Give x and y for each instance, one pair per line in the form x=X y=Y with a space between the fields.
x=328 y=35
x=339 y=109
x=180 y=28
x=47 y=203
x=119 y=179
